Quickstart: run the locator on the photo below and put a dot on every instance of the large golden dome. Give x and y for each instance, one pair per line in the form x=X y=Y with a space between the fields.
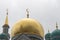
x=29 y=26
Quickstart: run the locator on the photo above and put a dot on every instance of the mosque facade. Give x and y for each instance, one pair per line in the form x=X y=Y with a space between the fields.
x=27 y=29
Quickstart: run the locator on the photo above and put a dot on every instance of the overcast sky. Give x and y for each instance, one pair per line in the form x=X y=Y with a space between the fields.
x=47 y=12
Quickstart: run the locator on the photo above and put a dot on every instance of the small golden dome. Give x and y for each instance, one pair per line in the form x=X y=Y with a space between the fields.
x=29 y=26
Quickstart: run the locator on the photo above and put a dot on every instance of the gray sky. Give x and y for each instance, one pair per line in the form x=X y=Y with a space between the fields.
x=47 y=12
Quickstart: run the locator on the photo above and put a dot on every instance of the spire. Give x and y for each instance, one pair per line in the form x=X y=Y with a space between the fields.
x=6 y=20
x=56 y=25
x=27 y=13
x=48 y=31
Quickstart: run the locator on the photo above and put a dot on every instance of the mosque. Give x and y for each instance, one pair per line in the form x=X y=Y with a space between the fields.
x=28 y=29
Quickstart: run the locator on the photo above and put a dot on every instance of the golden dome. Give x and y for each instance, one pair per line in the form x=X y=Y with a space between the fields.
x=29 y=26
